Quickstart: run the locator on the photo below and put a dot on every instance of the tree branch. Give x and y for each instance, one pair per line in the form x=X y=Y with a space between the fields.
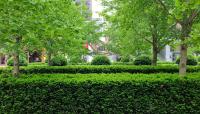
x=148 y=40
x=166 y=9
x=194 y=14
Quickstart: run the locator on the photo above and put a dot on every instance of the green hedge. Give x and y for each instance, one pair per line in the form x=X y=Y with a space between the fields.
x=105 y=93
x=101 y=60
x=22 y=61
x=191 y=60
x=58 y=60
x=103 y=69
x=142 y=60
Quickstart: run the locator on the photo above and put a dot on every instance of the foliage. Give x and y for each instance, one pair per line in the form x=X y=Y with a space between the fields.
x=198 y=58
x=119 y=93
x=101 y=60
x=125 y=59
x=190 y=61
x=22 y=62
x=54 y=25
x=58 y=60
x=138 y=25
x=84 y=69
x=37 y=64
x=122 y=63
x=165 y=62
x=143 y=60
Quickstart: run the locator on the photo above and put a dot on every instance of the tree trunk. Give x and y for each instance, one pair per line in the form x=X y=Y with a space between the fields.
x=155 y=56
x=155 y=50
x=16 y=64
x=6 y=59
x=16 y=57
x=185 y=31
x=0 y=59
x=183 y=60
x=49 y=58
x=43 y=57
x=28 y=59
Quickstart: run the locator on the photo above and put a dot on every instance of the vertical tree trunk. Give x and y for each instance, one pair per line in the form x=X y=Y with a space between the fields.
x=43 y=56
x=155 y=50
x=0 y=59
x=155 y=56
x=183 y=60
x=28 y=59
x=49 y=58
x=16 y=64
x=16 y=57
x=185 y=33
x=6 y=59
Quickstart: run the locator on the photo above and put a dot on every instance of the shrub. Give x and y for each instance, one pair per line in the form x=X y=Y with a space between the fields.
x=85 y=69
x=198 y=58
x=114 y=93
x=143 y=60
x=125 y=59
x=58 y=61
x=190 y=61
x=166 y=62
x=76 y=59
x=22 y=61
x=101 y=60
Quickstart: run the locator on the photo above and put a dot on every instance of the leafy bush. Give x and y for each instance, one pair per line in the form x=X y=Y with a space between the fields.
x=58 y=61
x=85 y=69
x=143 y=60
x=75 y=60
x=198 y=58
x=190 y=61
x=125 y=59
x=101 y=60
x=113 y=93
x=22 y=61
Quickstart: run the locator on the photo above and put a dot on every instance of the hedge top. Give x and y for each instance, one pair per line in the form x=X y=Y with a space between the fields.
x=102 y=69
x=100 y=78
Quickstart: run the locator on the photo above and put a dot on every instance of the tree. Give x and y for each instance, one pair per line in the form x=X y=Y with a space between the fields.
x=184 y=14
x=181 y=15
x=51 y=24
x=16 y=22
x=144 y=22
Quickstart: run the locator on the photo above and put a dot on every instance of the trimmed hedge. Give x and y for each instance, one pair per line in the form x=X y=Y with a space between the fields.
x=106 y=93
x=165 y=63
x=102 y=69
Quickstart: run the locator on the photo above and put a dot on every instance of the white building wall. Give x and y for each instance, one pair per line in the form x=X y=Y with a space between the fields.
x=166 y=54
x=169 y=55
x=97 y=8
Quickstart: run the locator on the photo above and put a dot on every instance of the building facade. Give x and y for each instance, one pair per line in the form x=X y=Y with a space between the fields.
x=169 y=54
